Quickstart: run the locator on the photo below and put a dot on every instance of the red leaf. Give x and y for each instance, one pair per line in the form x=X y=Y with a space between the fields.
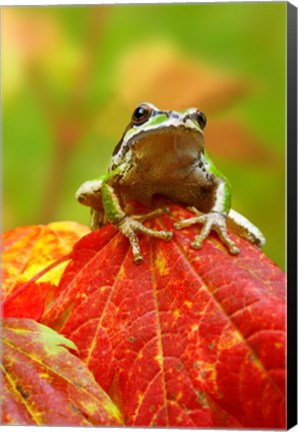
x=43 y=383
x=27 y=251
x=187 y=338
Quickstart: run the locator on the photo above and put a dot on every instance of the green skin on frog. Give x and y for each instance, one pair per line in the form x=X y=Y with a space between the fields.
x=162 y=153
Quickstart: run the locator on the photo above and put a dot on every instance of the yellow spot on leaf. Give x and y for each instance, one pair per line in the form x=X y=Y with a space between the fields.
x=161 y=264
x=44 y=375
x=179 y=396
x=122 y=273
x=52 y=276
x=201 y=398
x=206 y=371
x=177 y=313
x=188 y=304
x=92 y=407
x=229 y=339
x=158 y=358
x=112 y=410
x=194 y=328
x=140 y=398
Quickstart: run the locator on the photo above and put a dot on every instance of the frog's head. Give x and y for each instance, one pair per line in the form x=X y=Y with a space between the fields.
x=153 y=133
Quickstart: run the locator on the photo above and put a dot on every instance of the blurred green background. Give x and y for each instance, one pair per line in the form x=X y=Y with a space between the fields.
x=71 y=77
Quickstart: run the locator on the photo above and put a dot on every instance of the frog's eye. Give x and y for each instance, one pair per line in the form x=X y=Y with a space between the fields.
x=141 y=114
x=200 y=118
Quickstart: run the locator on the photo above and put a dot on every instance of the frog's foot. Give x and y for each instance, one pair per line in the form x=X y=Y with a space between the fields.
x=211 y=221
x=130 y=227
x=150 y=215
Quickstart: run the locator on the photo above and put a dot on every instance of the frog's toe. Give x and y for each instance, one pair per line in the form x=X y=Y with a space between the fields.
x=168 y=235
x=154 y=213
x=197 y=243
x=222 y=234
x=177 y=225
x=128 y=227
x=137 y=257
x=199 y=239
x=164 y=235
x=234 y=250
x=194 y=210
x=186 y=222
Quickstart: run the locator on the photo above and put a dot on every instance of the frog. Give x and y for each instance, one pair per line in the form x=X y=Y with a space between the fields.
x=162 y=153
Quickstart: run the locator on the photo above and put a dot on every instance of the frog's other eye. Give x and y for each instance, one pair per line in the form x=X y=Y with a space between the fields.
x=200 y=118
x=141 y=114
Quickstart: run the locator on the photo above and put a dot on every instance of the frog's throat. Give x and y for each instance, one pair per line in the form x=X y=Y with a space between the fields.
x=181 y=142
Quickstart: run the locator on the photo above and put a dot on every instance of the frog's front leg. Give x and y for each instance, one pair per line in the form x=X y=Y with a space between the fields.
x=129 y=226
x=214 y=220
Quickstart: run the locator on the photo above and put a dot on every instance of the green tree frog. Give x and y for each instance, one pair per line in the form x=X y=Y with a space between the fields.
x=162 y=153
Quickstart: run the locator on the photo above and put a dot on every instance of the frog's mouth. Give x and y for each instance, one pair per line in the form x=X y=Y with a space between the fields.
x=170 y=148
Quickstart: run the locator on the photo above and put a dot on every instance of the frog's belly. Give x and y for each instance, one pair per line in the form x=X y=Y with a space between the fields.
x=187 y=193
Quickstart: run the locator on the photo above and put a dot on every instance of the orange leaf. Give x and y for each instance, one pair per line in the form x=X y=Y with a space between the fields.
x=44 y=384
x=28 y=251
